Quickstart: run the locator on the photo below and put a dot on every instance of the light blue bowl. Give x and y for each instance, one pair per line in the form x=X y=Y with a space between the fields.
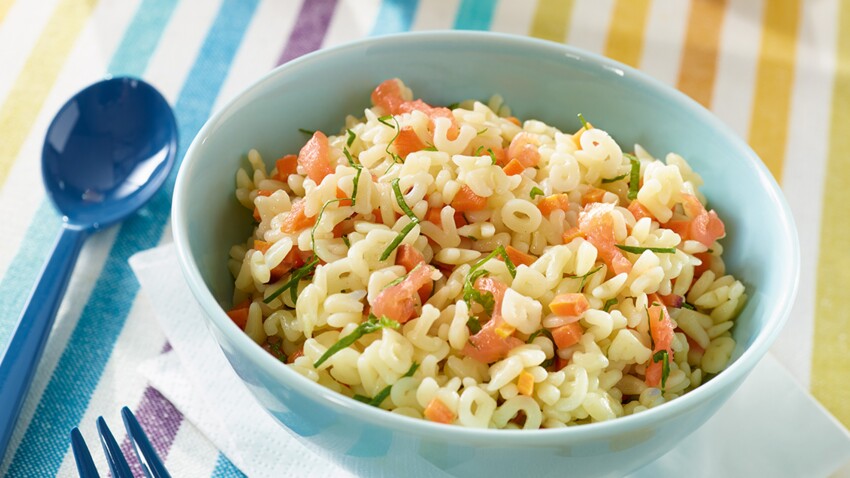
x=538 y=79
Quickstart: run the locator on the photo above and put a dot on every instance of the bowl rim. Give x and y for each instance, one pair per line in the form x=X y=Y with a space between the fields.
x=728 y=378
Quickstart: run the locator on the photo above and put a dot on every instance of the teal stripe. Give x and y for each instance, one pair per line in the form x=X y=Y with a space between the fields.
x=225 y=469
x=141 y=38
x=130 y=58
x=394 y=16
x=475 y=14
x=67 y=395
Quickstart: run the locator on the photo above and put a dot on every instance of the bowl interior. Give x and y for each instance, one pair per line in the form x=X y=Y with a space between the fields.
x=538 y=80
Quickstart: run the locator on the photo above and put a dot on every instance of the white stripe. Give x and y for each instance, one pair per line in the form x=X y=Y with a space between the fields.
x=435 y=16
x=19 y=32
x=351 y=20
x=191 y=453
x=182 y=38
x=23 y=190
x=589 y=24
x=805 y=165
x=664 y=38
x=260 y=48
x=737 y=63
x=120 y=384
x=513 y=17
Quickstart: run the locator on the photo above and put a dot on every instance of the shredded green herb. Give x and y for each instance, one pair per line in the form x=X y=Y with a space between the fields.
x=535 y=191
x=307 y=131
x=318 y=221
x=584 y=277
x=359 y=168
x=399 y=197
x=662 y=356
x=639 y=250
x=453 y=106
x=478 y=150
x=385 y=392
x=471 y=294
x=710 y=251
x=397 y=128
x=474 y=325
x=608 y=304
x=688 y=305
x=430 y=147
x=634 y=176
x=492 y=155
x=583 y=121
x=481 y=132
x=614 y=180
x=351 y=138
x=294 y=279
x=548 y=362
x=396 y=281
x=537 y=334
x=347 y=241
x=372 y=324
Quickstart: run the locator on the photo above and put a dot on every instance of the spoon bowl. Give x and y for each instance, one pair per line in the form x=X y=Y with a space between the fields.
x=108 y=150
x=106 y=153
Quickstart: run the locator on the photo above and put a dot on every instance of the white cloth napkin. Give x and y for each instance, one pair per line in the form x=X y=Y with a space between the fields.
x=770 y=427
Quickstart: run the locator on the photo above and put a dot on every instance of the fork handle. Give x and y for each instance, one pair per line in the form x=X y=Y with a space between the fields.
x=22 y=355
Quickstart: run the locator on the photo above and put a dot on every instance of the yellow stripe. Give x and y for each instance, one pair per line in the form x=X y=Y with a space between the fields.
x=552 y=20
x=27 y=95
x=699 y=57
x=774 y=82
x=831 y=354
x=625 y=35
x=5 y=5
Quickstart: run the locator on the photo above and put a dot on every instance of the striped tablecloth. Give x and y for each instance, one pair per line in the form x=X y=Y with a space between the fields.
x=776 y=71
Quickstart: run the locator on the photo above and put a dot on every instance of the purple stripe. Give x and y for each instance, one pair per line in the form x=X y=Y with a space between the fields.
x=160 y=420
x=310 y=29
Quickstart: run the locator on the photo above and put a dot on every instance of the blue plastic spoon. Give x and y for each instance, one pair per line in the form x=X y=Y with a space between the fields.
x=106 y=153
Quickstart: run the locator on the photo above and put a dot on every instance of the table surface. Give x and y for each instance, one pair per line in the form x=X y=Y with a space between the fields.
x=776 y=71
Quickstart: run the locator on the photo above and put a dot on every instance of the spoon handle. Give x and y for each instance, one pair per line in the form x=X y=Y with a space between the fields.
x=22 y=355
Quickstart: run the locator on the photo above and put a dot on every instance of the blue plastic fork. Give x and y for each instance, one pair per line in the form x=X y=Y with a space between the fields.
x=118 y=466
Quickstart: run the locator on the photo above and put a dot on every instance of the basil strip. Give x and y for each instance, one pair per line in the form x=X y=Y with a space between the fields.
x=634 y=176
x=372 y=324
x=639 y=250
x=399 y=197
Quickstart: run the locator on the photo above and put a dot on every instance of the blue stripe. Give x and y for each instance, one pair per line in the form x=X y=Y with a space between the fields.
x=225 y=469
x=394 y=16
x=475 y=14
x=130 y=58
x=70 y=388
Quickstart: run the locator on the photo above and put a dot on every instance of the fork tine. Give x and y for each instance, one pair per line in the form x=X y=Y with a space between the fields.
x=117 y=464
x=85 y=463
x=144 y=451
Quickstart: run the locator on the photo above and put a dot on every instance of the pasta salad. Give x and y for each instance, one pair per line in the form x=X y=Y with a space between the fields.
x=458 y=265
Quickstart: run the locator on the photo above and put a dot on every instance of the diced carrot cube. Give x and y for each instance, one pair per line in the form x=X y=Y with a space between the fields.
x=504 y=329
x=239 y=313
x=437 y=411
x=525 y=383
x=433 y=216
x=592 y=195
x=296 y=220
x=518 y=257
x=638 y=211
x=261 y=246
x=408 y=257
x=569 y=305
x=567 y=335
x=345 y=200
x=407 y=142
x=555 y=201
x=286 y=166
x=466 y=200
x=514 y=167
x=571 y=234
